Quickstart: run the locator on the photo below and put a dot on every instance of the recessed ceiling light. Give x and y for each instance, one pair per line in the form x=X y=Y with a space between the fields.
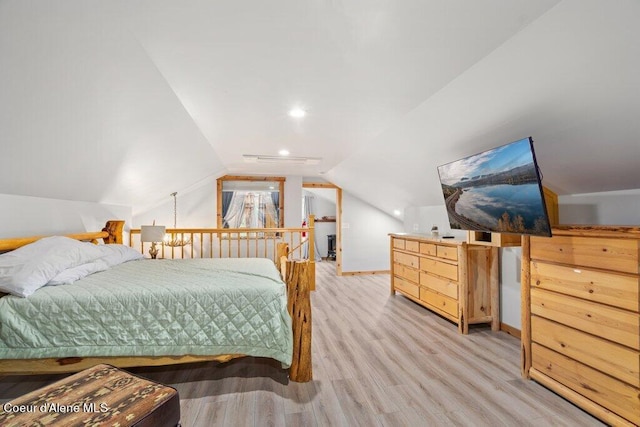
x=397 y=212
x=283 y=152
x=297 y=112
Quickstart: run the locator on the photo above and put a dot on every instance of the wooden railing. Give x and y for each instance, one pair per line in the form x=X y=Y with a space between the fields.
x=234 y=243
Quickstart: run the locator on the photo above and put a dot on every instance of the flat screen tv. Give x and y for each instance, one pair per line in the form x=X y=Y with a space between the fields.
x=498 y=191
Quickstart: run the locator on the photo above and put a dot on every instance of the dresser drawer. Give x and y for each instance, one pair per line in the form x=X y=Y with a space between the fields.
x=438 y=284
x=609 y=254
x=398 y=243
x=614 y=324
x=618 y=361
x=406 y=259
x=412 y=246
x=428 y=249
x=447 y=252
x=619 y=290
x=406 y=272
x=442 y=302
x=439 y=268
x=406 y=287
x=609 y=392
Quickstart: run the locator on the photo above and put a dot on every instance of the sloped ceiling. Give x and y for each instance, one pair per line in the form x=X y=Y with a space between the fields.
x=122 y=102
x=569 y=80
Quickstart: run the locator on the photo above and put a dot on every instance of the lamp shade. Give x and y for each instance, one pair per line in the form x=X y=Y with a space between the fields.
x=152 y=233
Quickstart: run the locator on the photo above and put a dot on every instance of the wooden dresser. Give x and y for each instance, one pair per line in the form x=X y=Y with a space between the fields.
x=453 y=279
x=580 y=318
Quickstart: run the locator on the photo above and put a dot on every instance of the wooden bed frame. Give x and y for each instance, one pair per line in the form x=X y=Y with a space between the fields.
x=296 y=275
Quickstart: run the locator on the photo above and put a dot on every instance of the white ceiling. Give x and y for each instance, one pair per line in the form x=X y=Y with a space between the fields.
x=123 y=102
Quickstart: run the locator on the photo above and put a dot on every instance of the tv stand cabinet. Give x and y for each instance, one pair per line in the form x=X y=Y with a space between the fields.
x=456 y=280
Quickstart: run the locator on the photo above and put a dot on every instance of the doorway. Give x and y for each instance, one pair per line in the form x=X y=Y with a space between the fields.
x=327 y=223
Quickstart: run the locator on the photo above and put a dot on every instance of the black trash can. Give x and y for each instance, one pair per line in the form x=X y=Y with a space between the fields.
x=331 y=246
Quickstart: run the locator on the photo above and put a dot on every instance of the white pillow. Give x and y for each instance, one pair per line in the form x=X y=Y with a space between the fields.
x=30 y=267
x=114 y=254
x=72 y=274
x=110 y=255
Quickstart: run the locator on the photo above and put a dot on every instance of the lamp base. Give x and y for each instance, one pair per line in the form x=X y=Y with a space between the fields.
x=153 y=251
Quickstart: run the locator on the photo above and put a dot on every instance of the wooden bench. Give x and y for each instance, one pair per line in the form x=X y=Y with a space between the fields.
x=99 y=396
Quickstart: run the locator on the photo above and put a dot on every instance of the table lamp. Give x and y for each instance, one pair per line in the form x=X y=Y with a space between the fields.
x=153 y=234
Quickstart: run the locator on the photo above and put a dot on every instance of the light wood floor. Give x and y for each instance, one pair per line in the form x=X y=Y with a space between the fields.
x=378 y=361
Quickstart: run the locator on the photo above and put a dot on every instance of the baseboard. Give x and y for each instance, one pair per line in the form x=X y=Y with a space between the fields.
x=510 y=330
x=364 y=273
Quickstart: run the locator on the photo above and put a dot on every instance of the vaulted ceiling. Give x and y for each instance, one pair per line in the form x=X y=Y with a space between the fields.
x=122 y=102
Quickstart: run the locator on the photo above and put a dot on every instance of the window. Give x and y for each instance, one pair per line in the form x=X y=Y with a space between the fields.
x=250 y=202
x=250 y=209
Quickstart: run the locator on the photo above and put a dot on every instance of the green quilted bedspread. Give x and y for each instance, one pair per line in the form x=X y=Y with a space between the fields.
x=154 y=308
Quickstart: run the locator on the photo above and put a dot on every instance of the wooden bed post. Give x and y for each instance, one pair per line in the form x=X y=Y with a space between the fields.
x=282 y=250
x=114 y=228
x=299 y=306
x=312 y=254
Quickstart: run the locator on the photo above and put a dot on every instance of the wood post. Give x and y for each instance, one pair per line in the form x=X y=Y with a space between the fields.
x=282 y=252
x=525 y=308
x=114 y=228
x=391 y=263
x=312 y=253
x=464 y=293
x=494 y=286
x=299 y=306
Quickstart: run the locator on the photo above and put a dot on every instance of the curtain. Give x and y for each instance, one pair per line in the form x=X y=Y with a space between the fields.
x=252 y=218
x=271 y=210
x=226 y=202
x=233 y=217
x=275 y=199
x=242 y=209
x=307 y=209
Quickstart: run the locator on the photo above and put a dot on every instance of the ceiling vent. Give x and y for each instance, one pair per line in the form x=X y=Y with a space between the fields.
x=288 y=160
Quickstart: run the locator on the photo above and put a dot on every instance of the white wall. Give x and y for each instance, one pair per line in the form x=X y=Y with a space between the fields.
x=28 y=216
x=196 y=208
x=365 y=235
x=510 y=264
x=613 y=207
x=421 y=219
x=293 y=201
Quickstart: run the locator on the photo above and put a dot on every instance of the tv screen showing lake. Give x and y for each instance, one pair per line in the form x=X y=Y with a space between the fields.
x=488 y=205
x=498 y=190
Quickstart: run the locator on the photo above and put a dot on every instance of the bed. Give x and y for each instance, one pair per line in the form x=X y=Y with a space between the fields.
x=142 y=312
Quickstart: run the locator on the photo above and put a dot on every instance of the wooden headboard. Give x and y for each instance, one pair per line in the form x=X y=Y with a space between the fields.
x=111 y=233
